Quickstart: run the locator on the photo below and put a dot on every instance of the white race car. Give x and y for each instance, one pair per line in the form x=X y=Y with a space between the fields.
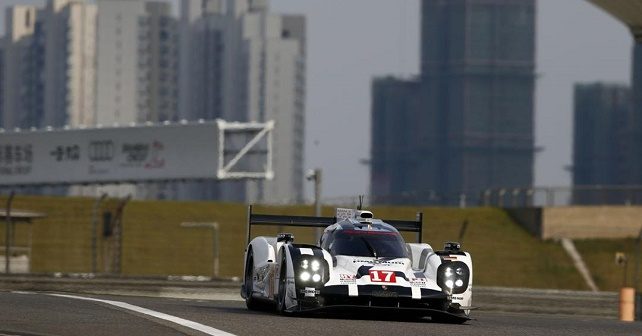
x=359 y=263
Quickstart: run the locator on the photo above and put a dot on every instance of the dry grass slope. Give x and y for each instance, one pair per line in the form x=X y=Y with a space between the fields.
x=503 y=253
x=155 y=244
x=599 y=255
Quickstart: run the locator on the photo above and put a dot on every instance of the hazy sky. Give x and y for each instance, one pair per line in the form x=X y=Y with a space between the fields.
x=350 y=41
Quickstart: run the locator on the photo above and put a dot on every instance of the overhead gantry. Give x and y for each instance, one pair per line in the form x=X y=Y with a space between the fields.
x=628 y=12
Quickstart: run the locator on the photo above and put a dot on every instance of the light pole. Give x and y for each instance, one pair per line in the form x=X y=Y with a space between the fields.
x=638 y=252
x=94 y=233
x=8 y=234
x=315 y=175
x=215 y=243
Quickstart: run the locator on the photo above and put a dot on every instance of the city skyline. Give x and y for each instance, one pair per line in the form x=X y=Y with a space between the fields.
x=388 y=44
x=239 y=63
x=561 y=61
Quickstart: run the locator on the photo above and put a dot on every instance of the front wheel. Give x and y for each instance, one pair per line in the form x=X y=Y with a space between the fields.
x=283 y=273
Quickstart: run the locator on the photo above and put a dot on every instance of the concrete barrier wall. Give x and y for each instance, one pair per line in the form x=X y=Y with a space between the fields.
x=591 y=222
x=580 y=222
x=528 y=218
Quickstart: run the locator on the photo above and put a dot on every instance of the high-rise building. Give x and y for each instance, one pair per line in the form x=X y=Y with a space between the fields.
x=476 y=113
x=137 y=69
x=49 y=76
x=241 y=63
x=23 y=88
x=635 y=152
x=1 y=81
x=395 y=133
x=602 y=130
x=72 y=24
x=137 y=62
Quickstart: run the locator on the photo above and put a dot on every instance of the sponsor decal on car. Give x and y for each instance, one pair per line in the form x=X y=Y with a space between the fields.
x=342 y=213
x=310 y=292
x=377 y=262
x=346 y=279
x=418 y=282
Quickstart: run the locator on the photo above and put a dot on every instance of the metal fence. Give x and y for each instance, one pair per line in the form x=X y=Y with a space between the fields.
x=111 y=236
x=563 y=196
x=507 y=197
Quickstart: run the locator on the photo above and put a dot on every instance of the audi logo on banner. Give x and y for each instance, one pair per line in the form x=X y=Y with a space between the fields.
x=100 y=151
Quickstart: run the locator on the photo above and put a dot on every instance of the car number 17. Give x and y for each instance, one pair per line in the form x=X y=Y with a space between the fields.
x=382 y=276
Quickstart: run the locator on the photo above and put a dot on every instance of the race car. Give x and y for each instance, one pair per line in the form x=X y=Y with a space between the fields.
x=359 y=263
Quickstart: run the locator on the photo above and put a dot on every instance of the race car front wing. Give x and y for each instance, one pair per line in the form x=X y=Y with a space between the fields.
x=372 y=296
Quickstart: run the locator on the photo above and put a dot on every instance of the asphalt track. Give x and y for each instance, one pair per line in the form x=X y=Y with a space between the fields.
x=39 y=314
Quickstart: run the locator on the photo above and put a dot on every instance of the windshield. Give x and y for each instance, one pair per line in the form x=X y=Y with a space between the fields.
x=379 y=244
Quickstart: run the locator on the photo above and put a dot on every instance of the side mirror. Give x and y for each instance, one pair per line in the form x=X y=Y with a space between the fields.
x=284 y=237
x=452 y=247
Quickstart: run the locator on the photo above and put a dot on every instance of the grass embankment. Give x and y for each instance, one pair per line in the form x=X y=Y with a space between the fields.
x=155 y=244
x=503 y=253
x=599 y=255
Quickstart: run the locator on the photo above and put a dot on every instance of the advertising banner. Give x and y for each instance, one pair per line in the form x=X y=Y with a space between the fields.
x=109 y=155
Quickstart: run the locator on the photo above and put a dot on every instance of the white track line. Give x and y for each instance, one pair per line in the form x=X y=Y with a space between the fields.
x=177 y=320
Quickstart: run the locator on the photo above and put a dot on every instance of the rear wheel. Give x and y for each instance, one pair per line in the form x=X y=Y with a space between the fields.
x=250 y=301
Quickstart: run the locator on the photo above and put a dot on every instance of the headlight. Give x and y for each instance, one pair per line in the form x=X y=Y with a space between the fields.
x=310 y=269
x=315 y=265
x=453 y=277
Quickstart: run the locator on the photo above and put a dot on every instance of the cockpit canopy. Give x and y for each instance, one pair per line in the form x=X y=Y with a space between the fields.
x=364 y=242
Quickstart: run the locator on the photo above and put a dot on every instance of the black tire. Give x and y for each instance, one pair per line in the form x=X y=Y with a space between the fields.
x=283 y=273
x=250 y=301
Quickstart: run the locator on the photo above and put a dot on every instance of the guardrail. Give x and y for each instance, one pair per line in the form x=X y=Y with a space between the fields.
x=547 y=301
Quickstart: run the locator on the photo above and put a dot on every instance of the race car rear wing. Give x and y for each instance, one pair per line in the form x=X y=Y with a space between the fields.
x=254 y=219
